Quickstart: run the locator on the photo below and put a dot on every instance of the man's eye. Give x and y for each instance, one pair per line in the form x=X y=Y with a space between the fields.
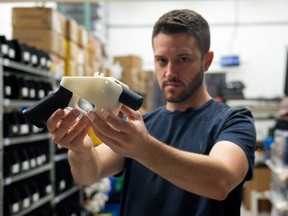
x=183 y=59
x=161 y=61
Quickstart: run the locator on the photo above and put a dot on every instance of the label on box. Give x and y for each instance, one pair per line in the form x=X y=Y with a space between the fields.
x=41 y=93
x=4 y=49
x=24 y=129
x=15 y=168
x=26 y=202
x=26 y=56
x=24 y=91
x=8 y=90
x=25 y=165
x=34 y=59
x=48 y=189
x=15 y=207
x=32 y=93
x=11 y=53
x=33 y=162
x=35 y=197
x=14 y=129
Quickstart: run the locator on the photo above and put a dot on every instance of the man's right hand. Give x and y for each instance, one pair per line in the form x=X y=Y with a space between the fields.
x=70 y=131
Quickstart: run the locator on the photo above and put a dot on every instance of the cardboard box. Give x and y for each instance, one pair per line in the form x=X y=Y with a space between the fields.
x=260 y=183
x=145 y=87
x=58 y=65
x=73 y=51
x=71 y=67
x=82 y=36
x=46 y=40
x=132 y=66
x=38 y=18
x=71 y=32
x=129 y=62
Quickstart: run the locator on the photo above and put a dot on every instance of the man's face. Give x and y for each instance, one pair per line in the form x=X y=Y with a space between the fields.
x=179 y=66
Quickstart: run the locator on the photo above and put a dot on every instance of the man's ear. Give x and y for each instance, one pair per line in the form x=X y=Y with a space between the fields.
x=208 y=58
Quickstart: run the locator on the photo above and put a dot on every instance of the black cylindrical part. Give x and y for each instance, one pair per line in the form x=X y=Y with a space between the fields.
x=131 y=99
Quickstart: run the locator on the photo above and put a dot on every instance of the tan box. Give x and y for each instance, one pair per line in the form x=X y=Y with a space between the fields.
x=72 y=50
x=94 y=49
x=260 y=183
x=38 y=18
x=58 y=65
x=88 y=70
x=71 y=67
x=82 y=36
x=46 y=40
x=71 y=32
x=129 y=62
x=145 y=87
x=132 y=66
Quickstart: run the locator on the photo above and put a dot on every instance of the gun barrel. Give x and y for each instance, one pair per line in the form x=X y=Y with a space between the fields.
x=131 y=99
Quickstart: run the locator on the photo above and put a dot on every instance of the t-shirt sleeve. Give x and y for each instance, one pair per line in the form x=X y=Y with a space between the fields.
x=239 y=128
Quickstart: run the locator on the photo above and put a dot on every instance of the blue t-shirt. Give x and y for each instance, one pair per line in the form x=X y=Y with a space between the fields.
x=195 y=130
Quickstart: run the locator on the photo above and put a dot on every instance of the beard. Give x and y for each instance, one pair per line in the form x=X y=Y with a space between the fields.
x=189 y=88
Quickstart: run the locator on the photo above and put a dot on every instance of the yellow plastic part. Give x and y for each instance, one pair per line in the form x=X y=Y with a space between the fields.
x=94 y=138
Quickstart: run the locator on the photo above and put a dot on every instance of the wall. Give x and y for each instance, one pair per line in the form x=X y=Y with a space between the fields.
x=257 y=30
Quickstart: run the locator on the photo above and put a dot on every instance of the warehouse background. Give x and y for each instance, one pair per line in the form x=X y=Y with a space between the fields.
x=256 y=30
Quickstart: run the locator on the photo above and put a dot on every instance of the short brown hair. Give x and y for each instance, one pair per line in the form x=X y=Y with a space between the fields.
x=187 y=21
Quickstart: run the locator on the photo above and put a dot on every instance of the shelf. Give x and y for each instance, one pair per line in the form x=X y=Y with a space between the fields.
x=39 y=203
x=30 y=173
x=23 y=68
x=281 y=172
x=59 y=157
x=66 y=194
x=26 y=72
x=25 y=139
x=17 y=103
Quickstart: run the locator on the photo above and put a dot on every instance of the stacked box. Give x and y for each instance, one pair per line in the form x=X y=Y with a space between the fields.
x=71 y=30
x=132 y=66
x=259 y=183
x=93 y=57
x=47 y=40
x=40 y=27
x=145 y=87
x=82 y=36
x=72 y=48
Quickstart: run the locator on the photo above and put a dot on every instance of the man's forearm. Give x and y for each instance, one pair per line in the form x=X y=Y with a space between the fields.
x=200 y=174
x=84 y=167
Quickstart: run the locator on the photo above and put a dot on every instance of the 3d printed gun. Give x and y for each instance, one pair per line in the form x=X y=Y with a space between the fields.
x=102 y=92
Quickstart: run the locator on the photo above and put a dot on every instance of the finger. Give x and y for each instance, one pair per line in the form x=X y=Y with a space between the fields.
x=67 y=123
x=51 y=123
x=102 y=128
x=112 y=120
x=78 y=131
x=131 y=114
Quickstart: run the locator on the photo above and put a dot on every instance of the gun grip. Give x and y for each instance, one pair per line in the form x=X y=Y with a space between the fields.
x=38 y=113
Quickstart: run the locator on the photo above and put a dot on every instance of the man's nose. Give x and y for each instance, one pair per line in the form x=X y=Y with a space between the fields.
x=171 y=70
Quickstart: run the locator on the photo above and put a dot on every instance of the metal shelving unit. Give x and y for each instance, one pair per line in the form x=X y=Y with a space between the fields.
x=8 y=66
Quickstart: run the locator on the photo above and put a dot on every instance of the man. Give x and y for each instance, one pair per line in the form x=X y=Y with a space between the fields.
x=189 y=157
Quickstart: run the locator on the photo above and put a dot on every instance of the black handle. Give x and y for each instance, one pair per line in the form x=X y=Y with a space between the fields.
x=131 y=99
x=38 y=113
